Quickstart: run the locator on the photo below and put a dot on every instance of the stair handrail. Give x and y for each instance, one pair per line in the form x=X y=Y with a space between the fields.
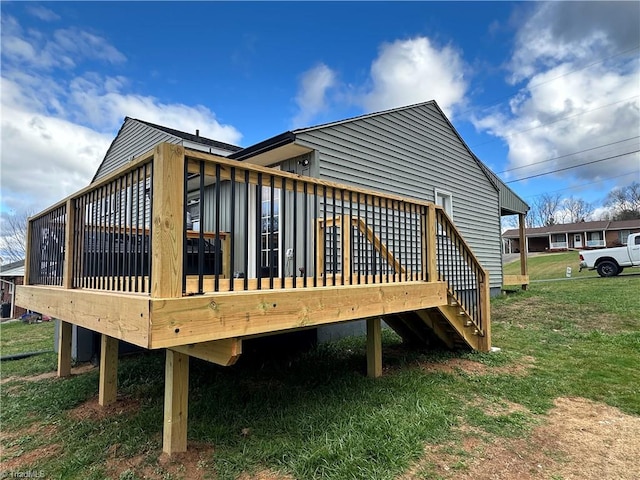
x=475 y=304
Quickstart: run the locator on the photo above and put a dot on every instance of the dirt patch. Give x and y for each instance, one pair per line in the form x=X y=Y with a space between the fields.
x=469 y=367
x=499 y=408
x=91 y=410
x=194 y=464
x=43 y=376
x=580 y=440
x=11 y=457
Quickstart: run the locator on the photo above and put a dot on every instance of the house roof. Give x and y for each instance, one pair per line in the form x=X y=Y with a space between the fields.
x=510 y=202
x=190 y=136
x=170 y=131
x=597 y=226
x=15 y=269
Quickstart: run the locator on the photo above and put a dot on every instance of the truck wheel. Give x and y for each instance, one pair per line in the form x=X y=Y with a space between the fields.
x=607 y=268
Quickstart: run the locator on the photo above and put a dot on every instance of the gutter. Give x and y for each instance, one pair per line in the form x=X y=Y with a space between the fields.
x=264 y=146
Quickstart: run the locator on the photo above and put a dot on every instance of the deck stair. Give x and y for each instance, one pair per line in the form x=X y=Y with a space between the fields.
x=447 y=326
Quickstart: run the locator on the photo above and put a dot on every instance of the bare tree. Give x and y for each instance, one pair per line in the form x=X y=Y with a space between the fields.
x=576 y=209
x=624 y=202
x=544 y=209
x=13 y=239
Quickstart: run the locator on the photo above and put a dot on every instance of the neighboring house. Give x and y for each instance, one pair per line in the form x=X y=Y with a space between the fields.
x=578 y=236
x=11 y=274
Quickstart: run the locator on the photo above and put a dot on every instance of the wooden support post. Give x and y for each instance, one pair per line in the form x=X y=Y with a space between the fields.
x=176 y=395
x=523 y=247
x=432 y=246
x=27 y=258
x=374 y=347
x=108 y=370
x=485 y=309
x=69 y=243
x=65 y=332
x=168 y=221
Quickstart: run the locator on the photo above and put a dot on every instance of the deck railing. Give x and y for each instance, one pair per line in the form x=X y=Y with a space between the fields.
x=46 y=246
x=177 y=222
x=289 y=231
x=466 y=279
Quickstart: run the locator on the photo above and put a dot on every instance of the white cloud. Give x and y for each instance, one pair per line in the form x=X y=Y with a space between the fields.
x=413 y=71
x=312 y=93
x=63 y=49
x=58 y=121
x=43 y=13
x=569 y=102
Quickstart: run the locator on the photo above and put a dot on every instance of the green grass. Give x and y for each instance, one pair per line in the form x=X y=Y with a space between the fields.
x=316 y=415
x=18 y=337
x=548 y=266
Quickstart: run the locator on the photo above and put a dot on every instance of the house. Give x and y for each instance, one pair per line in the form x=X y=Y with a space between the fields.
x=11 y=274
x=387 y=216
x=579 y=236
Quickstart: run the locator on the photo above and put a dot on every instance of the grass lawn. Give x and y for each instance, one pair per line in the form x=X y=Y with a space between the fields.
x=548 y=266
x=315 y=415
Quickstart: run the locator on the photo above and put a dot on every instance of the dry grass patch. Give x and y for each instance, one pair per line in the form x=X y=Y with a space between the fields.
x=579 y=440
x=194 y=464
x=78 y=370
x=12 y=455
x=469 y=367
x=91 y=410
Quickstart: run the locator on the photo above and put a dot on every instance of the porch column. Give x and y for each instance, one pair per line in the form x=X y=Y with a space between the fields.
x=374 y=347
x=108 y=389
x=176 y=397
x=604 y=238
x=523 y=251
x=566 y=240
x=586 y=242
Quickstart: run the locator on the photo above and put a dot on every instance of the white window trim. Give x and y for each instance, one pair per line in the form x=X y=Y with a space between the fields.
x=444 y=193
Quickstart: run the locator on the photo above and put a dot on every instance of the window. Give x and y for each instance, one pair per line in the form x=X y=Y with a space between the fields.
x=270 y=234
x=624 y=236
x=594 y=236
x=444 y=199
x=269 y=224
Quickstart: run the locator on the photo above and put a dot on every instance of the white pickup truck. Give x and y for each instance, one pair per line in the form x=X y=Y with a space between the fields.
x=611 y=261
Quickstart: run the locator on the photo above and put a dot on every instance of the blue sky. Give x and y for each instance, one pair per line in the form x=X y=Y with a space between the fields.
x=531 y=87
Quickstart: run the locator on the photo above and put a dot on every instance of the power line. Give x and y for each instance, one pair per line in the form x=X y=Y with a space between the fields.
x=554 y=121
x=575 y=187
x=583 y=68
x=573 y=166
x=567 y=155
x=531 y=87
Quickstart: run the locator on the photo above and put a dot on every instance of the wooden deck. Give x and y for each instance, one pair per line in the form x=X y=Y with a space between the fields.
x=361 y=255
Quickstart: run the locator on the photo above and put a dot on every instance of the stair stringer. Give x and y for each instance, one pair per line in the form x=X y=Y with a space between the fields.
x=462 y=323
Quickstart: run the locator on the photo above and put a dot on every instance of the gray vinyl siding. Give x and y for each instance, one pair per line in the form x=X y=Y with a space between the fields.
x=411 y=152
x=134 y=139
